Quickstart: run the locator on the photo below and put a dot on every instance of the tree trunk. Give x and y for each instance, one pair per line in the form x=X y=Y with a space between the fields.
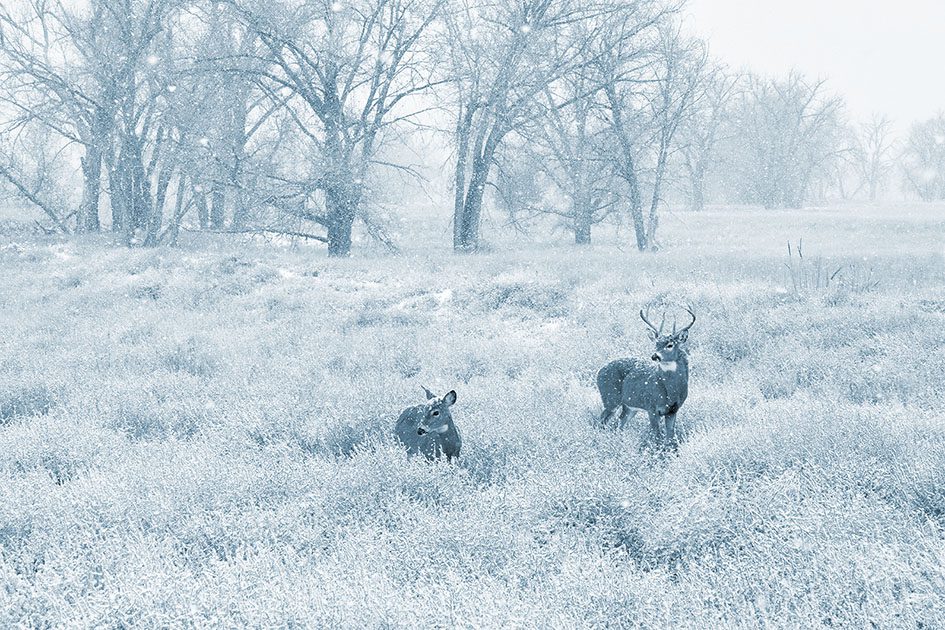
x=697 y=199
x=157 y=212
x=463 y=130
x=91 y=190
x=472 y=207
x=217 y=206
x=116 y=197
x=582 y=230
x=342 y=203
x=653 y=219
x=130 y=191
x=179 y=210
x=628 y=174
x=238 y=141
x=203 y=213
x=240 y=211
x=582 y=213
x=459 y=196
x=140 y=192
x=627 y=167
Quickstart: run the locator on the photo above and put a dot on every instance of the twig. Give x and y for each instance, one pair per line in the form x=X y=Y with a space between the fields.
x=258 y=231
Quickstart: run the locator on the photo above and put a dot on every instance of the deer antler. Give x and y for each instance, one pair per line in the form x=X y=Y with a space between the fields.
x=658 y=331
x=693 y=315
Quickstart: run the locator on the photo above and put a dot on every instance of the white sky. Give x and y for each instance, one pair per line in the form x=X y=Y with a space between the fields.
x=884 y=56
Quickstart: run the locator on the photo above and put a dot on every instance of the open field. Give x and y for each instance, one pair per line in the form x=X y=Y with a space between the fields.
x=201 y=435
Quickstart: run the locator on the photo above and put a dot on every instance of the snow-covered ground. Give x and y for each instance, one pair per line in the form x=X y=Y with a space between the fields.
x=202 y=434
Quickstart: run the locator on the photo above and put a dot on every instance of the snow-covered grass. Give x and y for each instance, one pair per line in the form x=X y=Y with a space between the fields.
x=202 y=435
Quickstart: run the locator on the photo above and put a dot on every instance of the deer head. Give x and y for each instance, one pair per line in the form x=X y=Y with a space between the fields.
x=668 y=346
x=437 y=418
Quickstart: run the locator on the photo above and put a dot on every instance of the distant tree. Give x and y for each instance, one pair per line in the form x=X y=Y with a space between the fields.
x=212 y=107
x=567 y=141
x=873 y=154
x=350 y=68
x=678 y=71
x=574 y=159
x=523 y=190
x=703 y=129
x=638 y=87
x=32 y=169
x=94 y=73
x=48 y=78
x=502 y=56
x=788 y=135
x=924 y=159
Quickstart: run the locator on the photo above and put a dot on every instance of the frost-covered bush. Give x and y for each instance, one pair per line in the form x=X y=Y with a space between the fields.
x=25 y=401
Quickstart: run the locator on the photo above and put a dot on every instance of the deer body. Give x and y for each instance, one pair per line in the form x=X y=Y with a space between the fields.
x=429 y=429
x=658 y=386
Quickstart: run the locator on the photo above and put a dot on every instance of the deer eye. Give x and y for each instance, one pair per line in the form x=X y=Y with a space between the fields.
x=435 y=413
x=668 y=346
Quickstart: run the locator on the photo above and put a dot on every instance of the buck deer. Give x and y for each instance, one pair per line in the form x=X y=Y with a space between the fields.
x=659 y=386
x=429 y=428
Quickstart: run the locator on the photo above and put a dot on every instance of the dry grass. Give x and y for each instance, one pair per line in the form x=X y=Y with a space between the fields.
x=202 y=435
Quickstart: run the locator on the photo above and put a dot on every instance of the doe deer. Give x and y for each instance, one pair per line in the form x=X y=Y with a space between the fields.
x=659 y=386
x=429 y=428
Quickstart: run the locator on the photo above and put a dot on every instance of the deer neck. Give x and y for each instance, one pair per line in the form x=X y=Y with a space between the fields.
x=675 y=371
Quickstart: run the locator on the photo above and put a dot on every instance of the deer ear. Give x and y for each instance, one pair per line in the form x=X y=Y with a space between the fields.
x=653 y=334
x=450 y=398
x=430 y=395
x=682 y=337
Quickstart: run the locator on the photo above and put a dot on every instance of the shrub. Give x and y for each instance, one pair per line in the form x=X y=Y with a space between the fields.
x=27 y=401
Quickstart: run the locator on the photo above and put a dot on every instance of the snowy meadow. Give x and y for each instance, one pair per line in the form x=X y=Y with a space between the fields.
x=202 y=435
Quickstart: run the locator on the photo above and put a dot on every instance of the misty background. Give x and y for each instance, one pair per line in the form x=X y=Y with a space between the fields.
x=328 y=121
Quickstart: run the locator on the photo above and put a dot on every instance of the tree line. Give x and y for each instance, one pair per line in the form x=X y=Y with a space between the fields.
x=298 y=116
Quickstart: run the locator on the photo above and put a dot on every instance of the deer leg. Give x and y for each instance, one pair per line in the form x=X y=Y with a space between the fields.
x=606 y=416
x=625 y=412
x=671 y=440
x=655 y=425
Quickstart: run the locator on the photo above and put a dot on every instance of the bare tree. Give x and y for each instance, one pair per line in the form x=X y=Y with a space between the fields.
x=565 y=141
x=503 y=55
x=788 y=135
x=872 y=154
x=349 y=68
x=702 y=130
x=134 y=47
x=574 y=158
x=624 y=65
x=52 y=77
x=924 y=159
x=32 y=168
x=678 y=70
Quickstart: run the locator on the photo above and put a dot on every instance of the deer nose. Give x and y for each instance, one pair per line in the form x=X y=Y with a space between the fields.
x=421 y=430
x=655 y=357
